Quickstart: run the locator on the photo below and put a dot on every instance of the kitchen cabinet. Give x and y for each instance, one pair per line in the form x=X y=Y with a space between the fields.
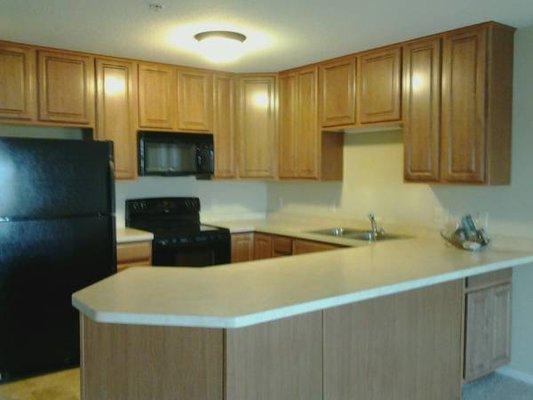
x=304 y=151
x=379 y=90
x=224 y=125
x=488 y=324
x=256 y=126
x=281 y=246
x=66 y=87
x=242 y=247
x=133 y=254
x=288 y=124
x=116 y=106
x=337 y=92
x=262 y=246
x=157 y=97
x=421 y=110
x=17 y=82
x=477 y=80
x=194 y=100
x=306 y=246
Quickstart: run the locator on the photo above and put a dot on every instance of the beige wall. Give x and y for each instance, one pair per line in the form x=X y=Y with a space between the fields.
x=219 y=199
x=373 y=181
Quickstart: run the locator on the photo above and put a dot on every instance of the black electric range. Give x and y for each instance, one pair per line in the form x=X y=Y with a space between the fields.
x=179 y=237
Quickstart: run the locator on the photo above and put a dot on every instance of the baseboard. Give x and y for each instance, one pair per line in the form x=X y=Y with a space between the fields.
x=515 y=374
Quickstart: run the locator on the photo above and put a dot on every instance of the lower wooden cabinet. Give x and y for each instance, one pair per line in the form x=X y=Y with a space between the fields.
x=487 y=324
x=242 y=247
x=306 y=246
x=133 y=254
x=259 y=246
x=262 y=246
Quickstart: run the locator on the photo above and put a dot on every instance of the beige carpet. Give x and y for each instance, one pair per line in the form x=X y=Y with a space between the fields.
x=64 y=385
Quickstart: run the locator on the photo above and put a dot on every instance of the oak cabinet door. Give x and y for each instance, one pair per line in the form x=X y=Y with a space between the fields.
x=223 y=126
x=337 y=92
x=308 y=134
x=421 y=110
x=306 y=246
x=157 y=97
x=242 y=247
x=463 y=106
x=379 y=87
x=257 y=134
x=262 y=246
x=288 y=124
x=194 y=100
x=66 y=88
x=116 y=100
x=17 y=72
x=488 y=330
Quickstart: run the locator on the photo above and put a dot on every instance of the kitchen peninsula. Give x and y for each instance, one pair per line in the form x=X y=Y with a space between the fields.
x=313 y=326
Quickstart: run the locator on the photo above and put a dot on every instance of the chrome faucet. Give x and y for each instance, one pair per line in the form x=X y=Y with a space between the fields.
x=376 y=230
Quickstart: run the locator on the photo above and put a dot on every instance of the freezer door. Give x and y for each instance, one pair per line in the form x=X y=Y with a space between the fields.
x=42 y=262
x=47 y=178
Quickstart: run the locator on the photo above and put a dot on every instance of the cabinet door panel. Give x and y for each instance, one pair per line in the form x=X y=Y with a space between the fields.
x=337 y=93
x=479 y=333
x=17 y=71
x=223 y=126
x=463 y=106
x=116 y=98
x=242 y=247
x=379 y=77
x=501 y=346
x=421 y=110
x=157 y=97
x=257 y=126
x=307 y=143
x=305 y=246
x=194 y=101
x=66 y=88
x=262 y=246
x=288 y=124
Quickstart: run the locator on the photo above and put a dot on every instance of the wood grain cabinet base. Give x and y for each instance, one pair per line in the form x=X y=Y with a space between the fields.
x=133 y=254
x=405 y=347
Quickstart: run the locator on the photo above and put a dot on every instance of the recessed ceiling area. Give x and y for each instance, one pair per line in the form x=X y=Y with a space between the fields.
x=280 y=33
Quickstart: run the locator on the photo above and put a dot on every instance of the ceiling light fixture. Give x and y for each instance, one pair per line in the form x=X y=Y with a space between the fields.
x=221 y=46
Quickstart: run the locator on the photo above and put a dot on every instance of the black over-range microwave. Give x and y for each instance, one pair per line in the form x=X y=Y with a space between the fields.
x=176 y=154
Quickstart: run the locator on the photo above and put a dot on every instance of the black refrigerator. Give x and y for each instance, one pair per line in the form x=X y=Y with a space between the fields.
x=57 y=236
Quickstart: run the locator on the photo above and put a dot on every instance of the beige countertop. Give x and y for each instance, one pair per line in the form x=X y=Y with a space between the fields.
x=238 y=295
x=129 y=235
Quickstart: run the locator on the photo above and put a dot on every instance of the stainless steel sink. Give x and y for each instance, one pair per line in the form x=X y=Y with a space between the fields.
x=357 y=234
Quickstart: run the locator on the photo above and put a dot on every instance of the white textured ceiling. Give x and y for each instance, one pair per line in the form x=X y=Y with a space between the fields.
x=284 y=33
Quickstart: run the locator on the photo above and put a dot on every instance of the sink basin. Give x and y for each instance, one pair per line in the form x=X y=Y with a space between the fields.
x=357 y=234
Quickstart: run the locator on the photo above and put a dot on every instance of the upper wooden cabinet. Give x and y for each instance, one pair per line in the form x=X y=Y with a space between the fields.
x=66 y=87
x=157 y=97
x=288 y=124
x=224 y=125
x=116 y=106
x=194 y=100
x=337 y=92
x=256 y=126
x=421 y=110
x=477 y=105
x=17 y=82
x=304 y=151
x=379 y=85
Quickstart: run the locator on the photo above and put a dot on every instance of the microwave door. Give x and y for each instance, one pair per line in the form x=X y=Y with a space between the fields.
x=182 y=159
x=156 y=158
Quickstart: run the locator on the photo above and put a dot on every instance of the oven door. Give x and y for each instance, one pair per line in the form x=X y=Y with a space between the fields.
x=167 y=254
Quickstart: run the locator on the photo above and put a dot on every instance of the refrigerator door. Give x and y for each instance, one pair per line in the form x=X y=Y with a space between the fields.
x=42 y=262
x=54 y=178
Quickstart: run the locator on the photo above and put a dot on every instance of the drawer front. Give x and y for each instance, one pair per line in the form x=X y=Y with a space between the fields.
x=281 y=246
x=489 y=279
x=134 y=253
x=305 y=246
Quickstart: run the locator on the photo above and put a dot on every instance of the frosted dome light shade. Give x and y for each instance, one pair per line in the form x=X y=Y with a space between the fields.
x=221 y=46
